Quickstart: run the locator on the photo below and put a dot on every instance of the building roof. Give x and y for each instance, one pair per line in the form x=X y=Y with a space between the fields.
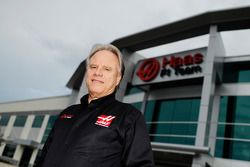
x=226 y=20
x=77 y=78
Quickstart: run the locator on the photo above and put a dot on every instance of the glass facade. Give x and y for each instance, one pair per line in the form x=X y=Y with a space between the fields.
x=244 y=76
x=9 y=150
x=132 y=90
x=172 y=121
x=4 y=120
x=233 y=132
x=234 y=73
x=20 y=120
x=50 y=124
x=137 y=105
x=38 y=121
x=175 y=120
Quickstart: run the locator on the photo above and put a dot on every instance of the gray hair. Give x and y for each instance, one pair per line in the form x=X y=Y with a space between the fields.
x=111 y=48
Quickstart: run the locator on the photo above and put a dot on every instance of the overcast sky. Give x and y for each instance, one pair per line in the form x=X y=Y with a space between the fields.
x=43 y=41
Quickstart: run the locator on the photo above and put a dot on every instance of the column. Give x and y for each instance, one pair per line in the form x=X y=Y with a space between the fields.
x=129 y=60
x=7 y=132
x=24 y=135
x=212 y=72
x=39 y=139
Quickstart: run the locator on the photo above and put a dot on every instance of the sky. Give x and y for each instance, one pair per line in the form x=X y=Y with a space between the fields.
x=42 y=42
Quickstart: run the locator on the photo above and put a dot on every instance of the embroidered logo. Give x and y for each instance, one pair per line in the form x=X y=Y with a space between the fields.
x=104 y=120
x=66 y=116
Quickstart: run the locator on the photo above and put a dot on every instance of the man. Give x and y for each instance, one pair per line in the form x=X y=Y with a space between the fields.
x=99 y=132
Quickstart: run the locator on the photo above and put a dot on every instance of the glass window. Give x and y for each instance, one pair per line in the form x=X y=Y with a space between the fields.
x=20 y=121
x=4 y=120
x=174 y=121
x=137 y=105
x=234 y=124
x=241 y=131
x=149 y=111
x=26 y=155
x=9 y=150
x=234 y=72
x=132 y=90
x=221 y=126
x=148 y=114
x=50 y=124
x=39 y=155
x=38 y=121
x=244 y=76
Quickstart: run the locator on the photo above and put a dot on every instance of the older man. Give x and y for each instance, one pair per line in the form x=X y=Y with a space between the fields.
x=101 y=131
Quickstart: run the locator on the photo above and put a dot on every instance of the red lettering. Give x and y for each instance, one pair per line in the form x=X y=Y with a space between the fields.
x=198 y=58
x=165 y=62
x=176 y=62
x=188 y=60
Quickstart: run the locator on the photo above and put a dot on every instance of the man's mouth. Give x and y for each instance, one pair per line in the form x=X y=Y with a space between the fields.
x=96 y=80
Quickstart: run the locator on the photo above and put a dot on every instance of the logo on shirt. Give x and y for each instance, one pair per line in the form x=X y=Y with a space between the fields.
x=104 y=120
x=66 y=116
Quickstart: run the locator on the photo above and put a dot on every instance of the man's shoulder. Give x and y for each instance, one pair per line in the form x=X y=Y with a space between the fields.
x=128 y=109
x=72 y=109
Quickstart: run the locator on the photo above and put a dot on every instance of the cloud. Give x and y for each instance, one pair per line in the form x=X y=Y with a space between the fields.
x=43 y=42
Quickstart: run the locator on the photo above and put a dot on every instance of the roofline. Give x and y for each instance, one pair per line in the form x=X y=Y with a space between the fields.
x=76 y=79
x=35 y=99
x=240 y=58
x=226 y=20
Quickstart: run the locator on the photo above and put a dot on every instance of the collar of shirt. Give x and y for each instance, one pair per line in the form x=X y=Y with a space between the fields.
x=101 y=102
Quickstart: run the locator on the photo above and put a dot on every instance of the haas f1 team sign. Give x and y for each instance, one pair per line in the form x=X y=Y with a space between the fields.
x=177 y=66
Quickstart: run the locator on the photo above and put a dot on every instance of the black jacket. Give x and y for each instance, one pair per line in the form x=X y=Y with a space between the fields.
x=104 y=133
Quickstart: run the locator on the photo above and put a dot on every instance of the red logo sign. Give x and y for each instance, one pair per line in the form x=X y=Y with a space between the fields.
x=149 y=69
x=171 y=65
x=187 y=60
x=66 y=116
x=104 y=120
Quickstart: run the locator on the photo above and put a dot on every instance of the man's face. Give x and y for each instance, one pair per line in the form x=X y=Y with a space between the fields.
x=103 y=74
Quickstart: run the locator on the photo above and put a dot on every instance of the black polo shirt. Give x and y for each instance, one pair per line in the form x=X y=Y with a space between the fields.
x=104 y=133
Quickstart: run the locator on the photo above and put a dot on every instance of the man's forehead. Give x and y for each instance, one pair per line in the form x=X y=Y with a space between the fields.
x=104 y=58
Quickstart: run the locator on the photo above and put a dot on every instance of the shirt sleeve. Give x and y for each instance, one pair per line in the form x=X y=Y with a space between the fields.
x=138 y=151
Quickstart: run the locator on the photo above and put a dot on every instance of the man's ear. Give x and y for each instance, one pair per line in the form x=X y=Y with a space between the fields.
x=118 y=79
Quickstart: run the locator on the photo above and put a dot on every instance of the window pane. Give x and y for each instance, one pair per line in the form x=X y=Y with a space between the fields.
x=236 y=73
x=132 y=90
x=49 y=127
x=244 y=76
x=149 y=113
x=137 y=105
x=20 y=120
x=176 y=121
x=4 y=120
x=9 y=150
x=244 y=153
x=234 y=125
x=242 y=114
x=38 y=121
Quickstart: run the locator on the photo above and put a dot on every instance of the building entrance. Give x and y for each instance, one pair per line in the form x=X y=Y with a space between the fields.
x=27 y=152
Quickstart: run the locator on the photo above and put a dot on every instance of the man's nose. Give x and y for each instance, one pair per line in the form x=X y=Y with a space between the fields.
x=98 y=72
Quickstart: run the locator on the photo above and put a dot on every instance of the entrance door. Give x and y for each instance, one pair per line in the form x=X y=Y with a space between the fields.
x=27 y=152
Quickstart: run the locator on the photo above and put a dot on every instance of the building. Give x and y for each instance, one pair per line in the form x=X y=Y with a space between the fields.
x=195 y=102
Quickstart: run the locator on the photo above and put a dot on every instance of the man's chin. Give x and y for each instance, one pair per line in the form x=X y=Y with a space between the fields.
x=96 y=93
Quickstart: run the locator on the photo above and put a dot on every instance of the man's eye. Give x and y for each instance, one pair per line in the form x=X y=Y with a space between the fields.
x=93 y=67
x=107 y=69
